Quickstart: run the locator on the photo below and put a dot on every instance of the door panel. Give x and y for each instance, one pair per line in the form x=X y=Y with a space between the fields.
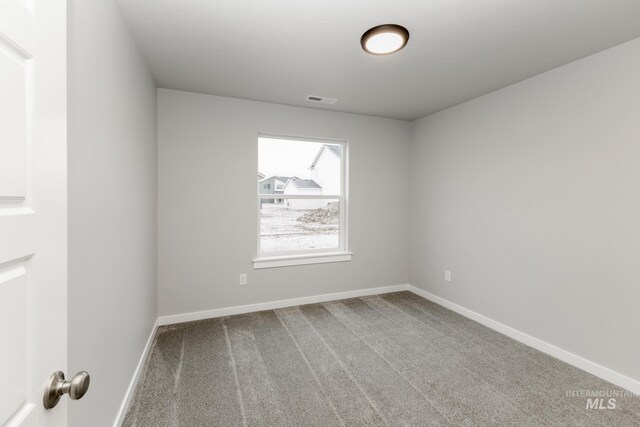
x=13 y=110
x=13 y=327
x=32 y=207
x=16 y=80
x=16 y=217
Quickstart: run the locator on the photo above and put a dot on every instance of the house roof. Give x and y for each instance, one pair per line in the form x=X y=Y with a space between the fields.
x=279 y=178
x=303 y=183
x=333 y=148
x=260 y=175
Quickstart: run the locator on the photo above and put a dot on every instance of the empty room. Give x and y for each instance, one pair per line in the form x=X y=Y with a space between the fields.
x=319 y=213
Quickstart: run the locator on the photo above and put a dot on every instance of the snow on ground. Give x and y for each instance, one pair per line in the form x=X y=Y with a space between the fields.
x=281 y=230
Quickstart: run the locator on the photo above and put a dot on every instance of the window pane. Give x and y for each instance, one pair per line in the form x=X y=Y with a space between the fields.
x=299 y=224
x=299 y=167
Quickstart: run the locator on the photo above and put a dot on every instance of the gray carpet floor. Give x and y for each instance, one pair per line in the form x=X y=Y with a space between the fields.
x=394 y=359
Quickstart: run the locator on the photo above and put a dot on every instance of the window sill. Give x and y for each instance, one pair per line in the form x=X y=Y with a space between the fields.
x=306 y=259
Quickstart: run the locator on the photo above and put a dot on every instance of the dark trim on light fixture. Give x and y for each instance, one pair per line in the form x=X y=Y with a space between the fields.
x=381 y=29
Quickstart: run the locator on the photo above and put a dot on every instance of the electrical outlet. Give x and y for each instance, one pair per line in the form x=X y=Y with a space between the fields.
x=243 y=279
x=447 y=276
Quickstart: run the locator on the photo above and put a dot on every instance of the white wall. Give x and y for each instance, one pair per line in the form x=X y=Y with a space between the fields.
x=207 y=234
x=304 y=203
x=327 y=172
x=112 y=207
x=531 y=196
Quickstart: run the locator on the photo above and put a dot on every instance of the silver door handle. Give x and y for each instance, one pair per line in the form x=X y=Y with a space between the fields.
x=57 y=387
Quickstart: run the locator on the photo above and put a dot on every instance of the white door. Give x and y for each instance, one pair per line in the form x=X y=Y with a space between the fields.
x=33 y=199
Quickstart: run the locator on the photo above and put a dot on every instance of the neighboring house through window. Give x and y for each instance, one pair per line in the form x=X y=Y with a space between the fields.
x=307 y=221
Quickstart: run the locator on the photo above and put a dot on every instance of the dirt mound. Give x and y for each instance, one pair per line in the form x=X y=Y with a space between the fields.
x=330 y=215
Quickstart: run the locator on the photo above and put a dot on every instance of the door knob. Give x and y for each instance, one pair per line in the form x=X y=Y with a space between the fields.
x=57 y=386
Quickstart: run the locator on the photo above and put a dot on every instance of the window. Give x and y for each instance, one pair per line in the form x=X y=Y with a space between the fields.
x=306 y=224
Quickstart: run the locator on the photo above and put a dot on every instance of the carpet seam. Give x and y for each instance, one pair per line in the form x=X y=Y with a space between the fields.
x=424 y=396
x=344 y=368
x=542 y=391
x=235 y=374
x=315 y=376
x=456 y=363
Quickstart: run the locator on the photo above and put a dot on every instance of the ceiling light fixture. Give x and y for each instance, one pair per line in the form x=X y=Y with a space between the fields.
x=384 y=39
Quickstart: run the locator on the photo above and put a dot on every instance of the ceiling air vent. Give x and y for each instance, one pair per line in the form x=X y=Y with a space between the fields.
x=321 y=100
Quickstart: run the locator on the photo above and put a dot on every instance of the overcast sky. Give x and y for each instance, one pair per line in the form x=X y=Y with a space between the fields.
x=286 y=158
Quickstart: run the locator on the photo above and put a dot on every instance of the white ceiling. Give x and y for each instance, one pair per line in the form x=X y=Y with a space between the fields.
x=283 y=50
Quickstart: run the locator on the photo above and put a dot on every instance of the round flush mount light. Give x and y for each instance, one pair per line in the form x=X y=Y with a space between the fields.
x=384 y=39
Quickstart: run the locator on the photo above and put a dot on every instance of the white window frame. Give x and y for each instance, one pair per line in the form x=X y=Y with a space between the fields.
x=309 y=256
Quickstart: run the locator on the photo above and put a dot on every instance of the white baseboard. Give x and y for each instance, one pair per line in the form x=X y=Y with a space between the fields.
x=136 y=377
x=272 y=305
x=550 y=349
